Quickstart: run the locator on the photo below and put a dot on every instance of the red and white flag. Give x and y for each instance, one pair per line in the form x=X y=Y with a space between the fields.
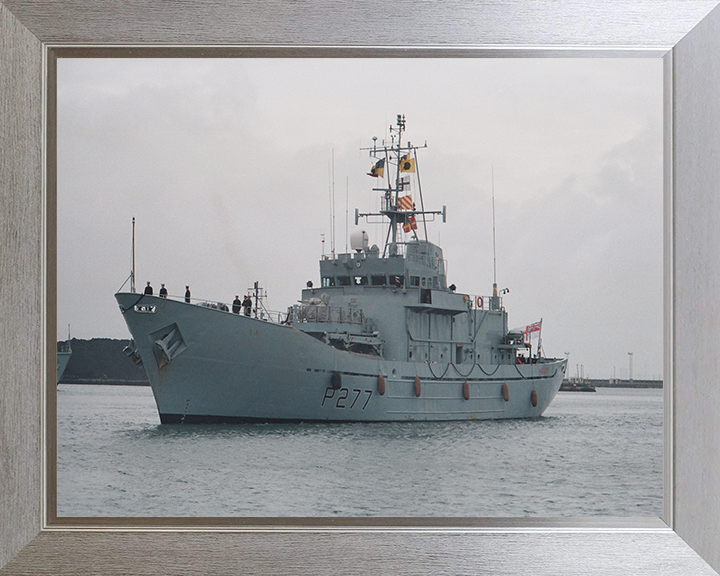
x=532 y=328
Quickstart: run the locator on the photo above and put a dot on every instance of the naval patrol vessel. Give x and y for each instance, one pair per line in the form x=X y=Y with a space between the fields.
x=382 y=338
x=63 y=357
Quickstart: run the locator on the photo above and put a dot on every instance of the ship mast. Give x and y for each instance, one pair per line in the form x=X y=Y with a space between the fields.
x=399 y=130
x=400 y=156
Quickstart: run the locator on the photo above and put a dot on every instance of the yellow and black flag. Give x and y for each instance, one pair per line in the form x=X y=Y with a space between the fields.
x=378 y=170
x=407 y=164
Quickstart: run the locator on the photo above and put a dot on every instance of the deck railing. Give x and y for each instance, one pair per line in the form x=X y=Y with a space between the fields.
x=306 y=312
x=261 y=314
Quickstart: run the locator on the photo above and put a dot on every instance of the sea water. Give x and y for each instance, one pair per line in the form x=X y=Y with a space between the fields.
x=591 y=454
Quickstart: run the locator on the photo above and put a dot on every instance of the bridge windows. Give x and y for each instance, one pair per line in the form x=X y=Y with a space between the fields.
x=414 y=280
x=397 y=280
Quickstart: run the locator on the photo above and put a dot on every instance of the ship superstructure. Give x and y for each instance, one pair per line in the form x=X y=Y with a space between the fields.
x=381 y=338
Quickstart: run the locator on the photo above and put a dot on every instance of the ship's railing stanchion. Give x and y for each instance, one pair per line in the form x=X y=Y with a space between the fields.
x=123 y=284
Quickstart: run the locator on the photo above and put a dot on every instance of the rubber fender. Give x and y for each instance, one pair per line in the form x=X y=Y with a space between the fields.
x=466 y=390
x=506 y=392
x=418 y=387
x=381 y=385
x=336 y=380
x=533 y=398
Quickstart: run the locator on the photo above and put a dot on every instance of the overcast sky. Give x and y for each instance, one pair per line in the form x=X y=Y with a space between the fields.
x=225 y=164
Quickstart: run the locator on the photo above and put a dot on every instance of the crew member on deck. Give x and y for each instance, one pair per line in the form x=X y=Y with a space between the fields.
x=148 y=290
x=187 y=294
x=163 y=291
x=247 y=304
x=237 y=305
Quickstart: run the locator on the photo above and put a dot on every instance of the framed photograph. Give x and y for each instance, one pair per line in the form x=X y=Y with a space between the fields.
x=312 y=544
x=539 y=194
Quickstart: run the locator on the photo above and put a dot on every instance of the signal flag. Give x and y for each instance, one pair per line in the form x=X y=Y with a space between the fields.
x=407 y=164
x=378 y=170
x=405 y=203
x=410 y=224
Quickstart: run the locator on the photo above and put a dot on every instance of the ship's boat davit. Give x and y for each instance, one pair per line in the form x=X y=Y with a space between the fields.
x=382 y=338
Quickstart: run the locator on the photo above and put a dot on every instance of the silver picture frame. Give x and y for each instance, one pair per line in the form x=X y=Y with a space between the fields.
x=685 y=33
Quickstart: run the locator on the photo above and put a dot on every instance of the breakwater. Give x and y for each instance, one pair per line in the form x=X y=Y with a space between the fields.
x=610 y=383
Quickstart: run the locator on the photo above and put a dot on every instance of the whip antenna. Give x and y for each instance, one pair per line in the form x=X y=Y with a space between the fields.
x=132 y=280
x=495 y=301
x=492 y=176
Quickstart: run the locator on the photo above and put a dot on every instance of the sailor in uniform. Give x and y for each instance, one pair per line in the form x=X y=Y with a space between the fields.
x=247 y=304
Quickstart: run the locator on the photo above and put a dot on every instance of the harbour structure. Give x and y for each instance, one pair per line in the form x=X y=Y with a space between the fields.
x=577 y=383
x=381 y=338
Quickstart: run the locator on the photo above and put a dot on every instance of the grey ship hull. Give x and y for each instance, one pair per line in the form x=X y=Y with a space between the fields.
x=206 y=365
x=62 y=361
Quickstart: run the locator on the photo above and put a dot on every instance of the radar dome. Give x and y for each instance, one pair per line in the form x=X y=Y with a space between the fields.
x=359 y=240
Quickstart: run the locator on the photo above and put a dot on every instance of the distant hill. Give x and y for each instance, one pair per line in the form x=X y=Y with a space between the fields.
x=101 y=361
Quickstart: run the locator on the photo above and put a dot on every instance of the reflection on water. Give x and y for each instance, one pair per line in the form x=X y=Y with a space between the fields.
x=591 y=454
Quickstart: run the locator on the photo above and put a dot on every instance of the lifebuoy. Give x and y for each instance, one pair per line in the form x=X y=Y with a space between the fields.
x=479 y=301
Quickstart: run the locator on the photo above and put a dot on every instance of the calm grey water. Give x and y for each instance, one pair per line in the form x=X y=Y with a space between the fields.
x=590 y=454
